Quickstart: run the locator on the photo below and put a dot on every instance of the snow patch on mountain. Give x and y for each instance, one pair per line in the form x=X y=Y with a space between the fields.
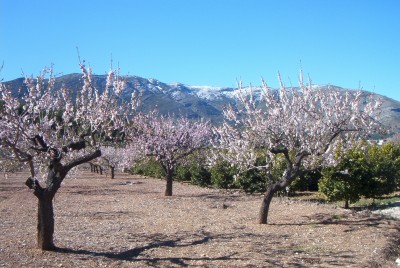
x=207 y=92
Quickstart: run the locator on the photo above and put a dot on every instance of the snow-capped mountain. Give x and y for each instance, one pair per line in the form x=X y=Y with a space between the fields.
x=190 y=101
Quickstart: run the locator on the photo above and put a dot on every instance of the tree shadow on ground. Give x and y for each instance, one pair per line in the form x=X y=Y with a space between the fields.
x=370 y=220
x=384 y=206
x=213 y=196
x=159 y=241
x=267 y=248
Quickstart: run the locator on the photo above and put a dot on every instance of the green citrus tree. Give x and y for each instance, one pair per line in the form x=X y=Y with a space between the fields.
x=363 y=171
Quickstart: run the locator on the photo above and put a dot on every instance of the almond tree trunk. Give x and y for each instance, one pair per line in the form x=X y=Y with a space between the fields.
x=45 y=225
x=45 y=213
x=346 y=204
x=291 y=173
x=263 y=215
x=168 y=189
x=45 y=195
x=112 y=172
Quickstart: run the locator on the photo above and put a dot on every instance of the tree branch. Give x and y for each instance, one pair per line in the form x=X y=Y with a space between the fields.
x=21 y=155
x=164 y=166
x=183 y=155
x=300 y=156
x=330 y=141
x=335 y=134
x=35 y=186
x=39 y=140
x=277 y=150
x=283 y=151
x=82 y=159
x=75 y=146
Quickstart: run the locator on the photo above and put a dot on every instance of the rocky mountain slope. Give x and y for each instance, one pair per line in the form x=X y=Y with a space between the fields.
x=190 y=101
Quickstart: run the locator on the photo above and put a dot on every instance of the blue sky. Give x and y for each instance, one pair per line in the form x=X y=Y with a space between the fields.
x=209 y=42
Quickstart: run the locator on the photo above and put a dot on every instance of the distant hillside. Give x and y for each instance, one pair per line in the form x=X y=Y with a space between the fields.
x=190 y=101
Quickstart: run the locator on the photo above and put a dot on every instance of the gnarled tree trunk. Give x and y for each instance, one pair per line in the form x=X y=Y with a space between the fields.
x=272 y=189
x=291 y=173
x=56 y=175
x=45 y=213
x=45 y=225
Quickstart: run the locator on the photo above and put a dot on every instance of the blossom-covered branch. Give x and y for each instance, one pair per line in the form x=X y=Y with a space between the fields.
x=168 y=139
x=53 y=132
x=303 y=124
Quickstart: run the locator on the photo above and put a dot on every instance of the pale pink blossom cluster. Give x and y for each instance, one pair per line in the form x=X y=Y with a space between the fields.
x=307 y=121
x=301 y=125
x=47 y=123
x=167 y=138
x=116 y=156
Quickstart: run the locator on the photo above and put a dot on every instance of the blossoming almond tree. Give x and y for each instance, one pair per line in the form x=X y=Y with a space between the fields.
x=302 y=125
x=169 y=140
x=115 y=157
x=50 y=131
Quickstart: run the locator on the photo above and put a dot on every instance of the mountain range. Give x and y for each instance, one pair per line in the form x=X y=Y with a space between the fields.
x=191 y=101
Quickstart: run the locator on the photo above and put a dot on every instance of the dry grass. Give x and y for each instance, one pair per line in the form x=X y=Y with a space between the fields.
x=127 y=222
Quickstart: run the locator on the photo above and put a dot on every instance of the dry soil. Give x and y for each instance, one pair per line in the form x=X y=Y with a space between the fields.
x=127 y=222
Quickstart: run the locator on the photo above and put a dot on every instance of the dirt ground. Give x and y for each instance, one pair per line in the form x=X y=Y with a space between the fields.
x=127 y=222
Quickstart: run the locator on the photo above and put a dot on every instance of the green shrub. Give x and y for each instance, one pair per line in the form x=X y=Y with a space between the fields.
x=307 y=181
x=148 y=167
x=193 y=172
x=252 y=181
x=199 y=175
x=384 y=164
x=341 y=186
x=222 y=174
x=182 y=173
x=369 y=171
